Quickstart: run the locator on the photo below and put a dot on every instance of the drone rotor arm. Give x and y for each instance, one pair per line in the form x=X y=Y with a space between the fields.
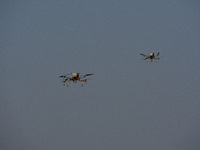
x=68 y=83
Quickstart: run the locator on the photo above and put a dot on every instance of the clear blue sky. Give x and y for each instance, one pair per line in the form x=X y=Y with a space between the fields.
x=128 y=104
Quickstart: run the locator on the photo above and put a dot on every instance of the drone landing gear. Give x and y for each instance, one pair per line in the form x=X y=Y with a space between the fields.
x=83 y=81
x=68 y=83
x=156 y=59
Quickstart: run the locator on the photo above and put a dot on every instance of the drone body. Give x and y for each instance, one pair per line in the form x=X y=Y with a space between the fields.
x=151 y=56
x=74 y=77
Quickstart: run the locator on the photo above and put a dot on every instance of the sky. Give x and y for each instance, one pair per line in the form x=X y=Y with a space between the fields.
x=128 y=103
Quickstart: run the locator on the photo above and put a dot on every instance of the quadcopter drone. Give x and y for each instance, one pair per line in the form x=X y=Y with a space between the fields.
x=75 y=77
x=151 y=56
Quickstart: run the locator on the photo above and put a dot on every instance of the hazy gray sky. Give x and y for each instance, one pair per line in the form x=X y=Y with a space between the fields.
x=128 y=104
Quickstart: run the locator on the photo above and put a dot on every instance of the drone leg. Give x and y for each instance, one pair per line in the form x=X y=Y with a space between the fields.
x=81 y=83
x=64 y=82
x=68 y=83
x=146 y=59
x=156 y=59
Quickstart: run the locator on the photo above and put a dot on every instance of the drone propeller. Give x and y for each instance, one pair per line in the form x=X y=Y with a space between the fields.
x=62 y=76
x=65 y=80
x=160 y=57
x=86 y=75
x=143 y=54
x=68 y=74
x=158 y=54
x=85 y=80
x=89 y=78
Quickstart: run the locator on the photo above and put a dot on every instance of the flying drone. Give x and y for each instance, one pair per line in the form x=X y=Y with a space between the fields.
x=151 y=56
x=74 y=77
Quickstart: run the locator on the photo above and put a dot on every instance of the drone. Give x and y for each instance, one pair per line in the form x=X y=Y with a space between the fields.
x=151 y=56
x=74 y=77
